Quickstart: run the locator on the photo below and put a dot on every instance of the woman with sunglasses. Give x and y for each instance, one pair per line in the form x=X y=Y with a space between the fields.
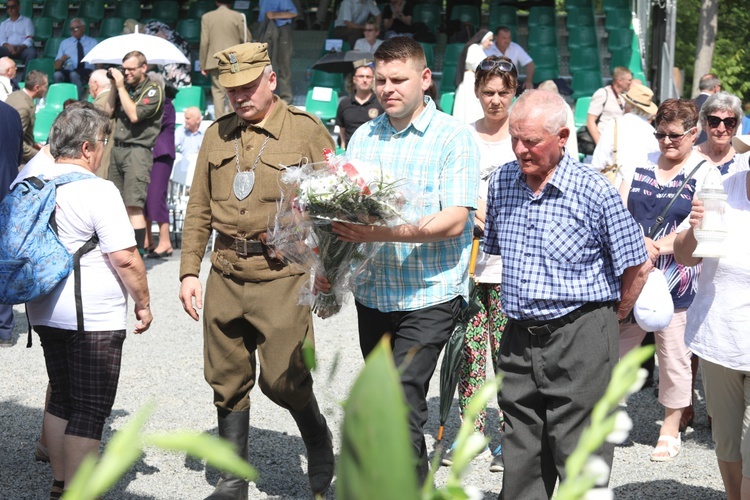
x=495 y=86
x=647 y=195
x=720 y=116
x=466 y=105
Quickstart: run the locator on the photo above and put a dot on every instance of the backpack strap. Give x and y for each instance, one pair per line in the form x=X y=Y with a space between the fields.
x=85 y=248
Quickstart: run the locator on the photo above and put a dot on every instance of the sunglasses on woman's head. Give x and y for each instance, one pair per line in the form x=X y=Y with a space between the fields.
x=490 y=64
x=714 y=121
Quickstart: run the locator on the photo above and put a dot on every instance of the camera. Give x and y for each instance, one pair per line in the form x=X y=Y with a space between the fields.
x=109 y=72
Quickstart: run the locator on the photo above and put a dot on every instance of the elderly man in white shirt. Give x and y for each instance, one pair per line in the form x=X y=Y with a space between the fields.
x=7 y=74
x=17 y=34
x=504 y=47
x=350 y=23
x=635 y=135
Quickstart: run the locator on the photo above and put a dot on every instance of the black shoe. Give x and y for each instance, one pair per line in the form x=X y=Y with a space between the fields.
x=319 y=443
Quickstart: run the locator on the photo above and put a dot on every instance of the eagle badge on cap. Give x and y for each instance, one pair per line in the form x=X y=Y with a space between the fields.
x=235 y=66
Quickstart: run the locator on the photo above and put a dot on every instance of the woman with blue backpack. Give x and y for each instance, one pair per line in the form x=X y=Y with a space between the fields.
x=81 y=320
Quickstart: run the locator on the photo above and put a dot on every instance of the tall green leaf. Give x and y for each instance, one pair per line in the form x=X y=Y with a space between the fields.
x=376 y=460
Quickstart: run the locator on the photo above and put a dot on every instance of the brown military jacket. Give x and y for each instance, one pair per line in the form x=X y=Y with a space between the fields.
x=24 y=104
x=149 y=104
x=295 y=137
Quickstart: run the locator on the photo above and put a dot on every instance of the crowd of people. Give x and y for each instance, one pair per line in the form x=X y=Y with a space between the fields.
x=565 y=251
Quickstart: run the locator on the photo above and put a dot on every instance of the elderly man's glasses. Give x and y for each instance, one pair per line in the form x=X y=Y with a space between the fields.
x=76 y=28
x=714 y=121
x=490 y=64
x=11 y=6
x=672 y=137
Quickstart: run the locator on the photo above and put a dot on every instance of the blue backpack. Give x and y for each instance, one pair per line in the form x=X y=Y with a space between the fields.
x=33 y=260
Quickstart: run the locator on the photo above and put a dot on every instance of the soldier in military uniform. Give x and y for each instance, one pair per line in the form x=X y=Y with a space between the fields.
x=251 y=298
x=137 y=106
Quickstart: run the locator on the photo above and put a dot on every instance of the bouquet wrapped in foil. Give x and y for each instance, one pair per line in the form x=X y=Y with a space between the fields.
x=343 y=190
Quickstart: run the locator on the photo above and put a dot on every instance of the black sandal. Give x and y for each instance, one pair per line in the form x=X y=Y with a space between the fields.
x=57 y=489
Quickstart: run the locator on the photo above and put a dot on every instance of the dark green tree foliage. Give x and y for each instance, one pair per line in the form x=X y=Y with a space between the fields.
x=731 y=54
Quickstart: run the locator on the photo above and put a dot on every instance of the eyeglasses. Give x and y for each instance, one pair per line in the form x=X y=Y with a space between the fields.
x=368 y=30
x=714 y=121
x=103 y=140
x=363 y=76
x=130 y=70
x=490 y=64
x=11 y=6
x=76 y=28
x=673 y=137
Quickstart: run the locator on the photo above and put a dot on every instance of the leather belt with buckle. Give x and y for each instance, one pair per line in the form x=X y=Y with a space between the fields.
x=241 y=246
x=541 y=328
x=120 y=144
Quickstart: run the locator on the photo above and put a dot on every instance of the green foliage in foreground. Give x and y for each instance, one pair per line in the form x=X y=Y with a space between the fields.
x=96 y=476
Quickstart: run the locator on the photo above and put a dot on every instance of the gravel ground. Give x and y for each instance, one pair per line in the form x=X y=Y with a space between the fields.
x=164 y=365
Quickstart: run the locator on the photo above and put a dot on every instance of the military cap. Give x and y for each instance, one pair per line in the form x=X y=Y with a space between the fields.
x=242 y=64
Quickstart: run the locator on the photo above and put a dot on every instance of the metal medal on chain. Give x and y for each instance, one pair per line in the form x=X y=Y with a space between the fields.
x=244 y=182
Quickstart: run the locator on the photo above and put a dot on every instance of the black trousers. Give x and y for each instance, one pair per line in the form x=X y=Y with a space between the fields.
x=423 y=333
x=551 y=382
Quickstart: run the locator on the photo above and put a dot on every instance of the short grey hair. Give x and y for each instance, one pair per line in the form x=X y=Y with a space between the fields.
x=534 y=103
x=721 y=101
x=78 y=123
x=708 y=81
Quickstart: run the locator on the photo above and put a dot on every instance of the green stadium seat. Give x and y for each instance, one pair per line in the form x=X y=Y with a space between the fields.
x=166 y=11
x=581 y=112
x=128 y=9
x=621 y=57
x=620 y=39
x=618 y=19
x=578 y=18
x=468 y=14
x=50 y=48
x=502 y=15
x=198 y=80
x=58 y=93
x=584 y=58
x=111 y=26
x=544 y=74
x=93 y=10
x=200 y=7
x=55 y=9
x=542 y=16
x=325 y=110
x=42 y=28
x=27 y=9
x=190 y=30
x=190 y=96
x=446 y=102
x=43 y=64
x=578 y=4
x=545 y=56
x=542 y=35
x=452 y=53
x=426 y=13
x=586 y=82
x=429 y=53
x=608 y=5
x=582 y=37
x=43 y=123
x=333 y=81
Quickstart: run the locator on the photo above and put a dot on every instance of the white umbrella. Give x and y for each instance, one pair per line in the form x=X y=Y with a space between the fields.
x=156 y=49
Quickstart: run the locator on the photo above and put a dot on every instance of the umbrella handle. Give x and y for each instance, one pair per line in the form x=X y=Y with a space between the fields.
x=474 y=255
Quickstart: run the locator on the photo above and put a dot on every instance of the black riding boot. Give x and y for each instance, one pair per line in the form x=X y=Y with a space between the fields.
x=319 y=443
x=233 y=426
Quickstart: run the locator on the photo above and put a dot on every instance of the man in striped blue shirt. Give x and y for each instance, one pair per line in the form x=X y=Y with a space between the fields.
x=416 y=283
x=574 y=261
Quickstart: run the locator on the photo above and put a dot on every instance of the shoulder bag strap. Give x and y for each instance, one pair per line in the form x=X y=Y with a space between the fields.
x=85 y=248
x=660 y=220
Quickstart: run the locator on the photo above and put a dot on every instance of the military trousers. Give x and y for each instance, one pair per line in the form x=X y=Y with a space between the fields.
x=242 y=319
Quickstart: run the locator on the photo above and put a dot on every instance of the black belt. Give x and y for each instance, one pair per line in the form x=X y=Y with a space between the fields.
x=242 y=246
x=120 y=144
x=548 y=327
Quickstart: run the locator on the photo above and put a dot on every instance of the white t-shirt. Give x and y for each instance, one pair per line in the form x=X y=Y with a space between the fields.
x=83 y=208
x=515 y=53
x=718 y=321
x=635 y=141
x=606 y=105
x=491 y=156
x=362 y=45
